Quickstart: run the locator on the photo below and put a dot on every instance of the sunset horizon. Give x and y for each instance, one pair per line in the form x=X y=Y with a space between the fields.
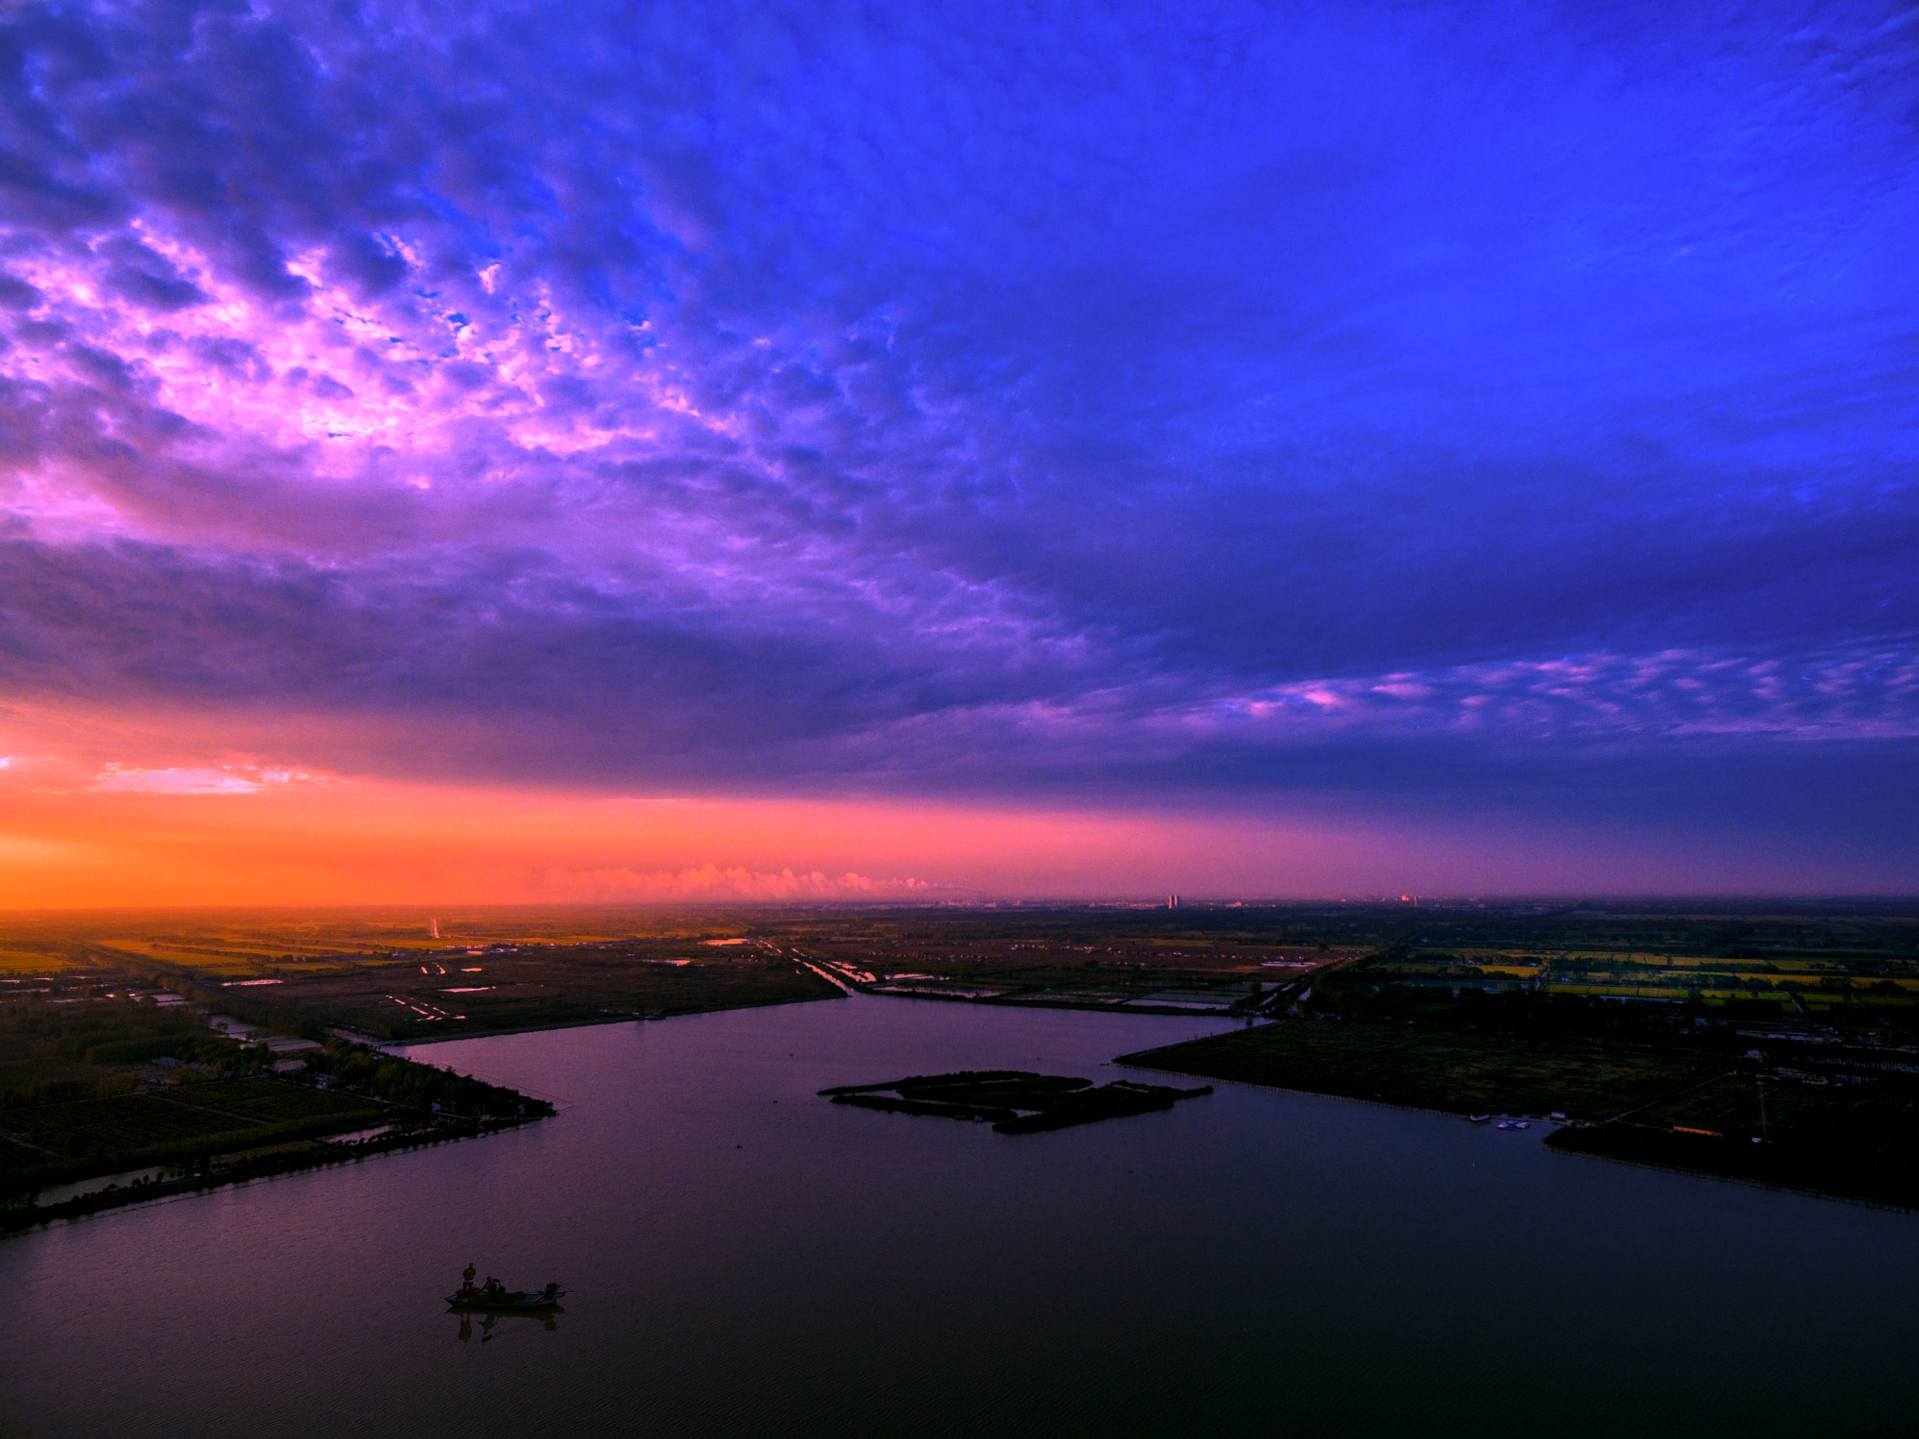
x=344 y=844
x=1473 y=476
x=785 y=717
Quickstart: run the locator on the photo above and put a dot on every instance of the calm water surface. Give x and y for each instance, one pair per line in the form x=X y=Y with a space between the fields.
x=744 y=1256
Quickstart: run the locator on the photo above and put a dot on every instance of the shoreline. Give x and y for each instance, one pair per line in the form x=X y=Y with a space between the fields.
x=1728 y=1176
x=17 y=1219
x=994 y=1001
x=1547 y=1139
x=374 y=1041
x=1083 y=1006
x=325 y=1154
x=1132 y=1063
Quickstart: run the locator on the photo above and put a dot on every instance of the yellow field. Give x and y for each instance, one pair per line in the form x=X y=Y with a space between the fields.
x=32 y=961
x=1632 y=974
x=230 y=962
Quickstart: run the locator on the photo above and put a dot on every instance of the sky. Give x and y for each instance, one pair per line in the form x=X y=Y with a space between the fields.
x=823 y=450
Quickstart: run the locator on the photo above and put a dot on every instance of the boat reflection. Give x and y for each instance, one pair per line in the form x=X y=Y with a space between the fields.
x=490 y=1323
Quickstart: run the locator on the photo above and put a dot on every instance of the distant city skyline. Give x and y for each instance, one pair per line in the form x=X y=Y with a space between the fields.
x=768 y=452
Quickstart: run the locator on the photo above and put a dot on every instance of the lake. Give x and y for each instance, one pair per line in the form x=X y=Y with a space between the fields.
x=744 y=1256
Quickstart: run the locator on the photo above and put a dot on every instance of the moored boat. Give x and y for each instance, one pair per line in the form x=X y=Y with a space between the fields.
x=495 y=1297
x=518 y=1300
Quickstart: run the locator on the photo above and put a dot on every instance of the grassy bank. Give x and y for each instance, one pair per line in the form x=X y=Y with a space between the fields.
x=246 y=1167
x=1853 y=1139
x=1459 y=1072
x=689 y=1005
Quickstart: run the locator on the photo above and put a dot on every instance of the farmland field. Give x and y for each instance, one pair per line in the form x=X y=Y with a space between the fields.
x=16 y=961
x=175 y=1122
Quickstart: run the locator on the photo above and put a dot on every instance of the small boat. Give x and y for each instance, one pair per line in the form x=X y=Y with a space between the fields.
x=1522 y=1124
x=1508 y=1124
x=1559 y=1116
x=1478 y=1118
x=507 y=1301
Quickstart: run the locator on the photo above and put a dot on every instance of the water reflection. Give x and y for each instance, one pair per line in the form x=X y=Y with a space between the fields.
x=1258 y=1260
x=489 y=1323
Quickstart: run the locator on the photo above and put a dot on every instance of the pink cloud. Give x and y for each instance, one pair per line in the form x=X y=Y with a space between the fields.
x=190 y=780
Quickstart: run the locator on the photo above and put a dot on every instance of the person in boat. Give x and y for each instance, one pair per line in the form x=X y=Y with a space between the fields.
x=551 y=1293
x=466 y=1279
x=493 y=1287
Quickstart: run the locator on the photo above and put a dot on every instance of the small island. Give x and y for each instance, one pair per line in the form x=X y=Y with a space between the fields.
x=1013 y=1101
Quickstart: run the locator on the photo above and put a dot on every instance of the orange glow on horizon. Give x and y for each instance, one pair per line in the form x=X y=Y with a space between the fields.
x=339 y=841
x=366 y=841
x=98 y=810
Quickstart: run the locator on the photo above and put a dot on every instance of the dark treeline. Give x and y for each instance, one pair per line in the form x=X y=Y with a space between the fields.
x=356 y=1069
x=113 y=1038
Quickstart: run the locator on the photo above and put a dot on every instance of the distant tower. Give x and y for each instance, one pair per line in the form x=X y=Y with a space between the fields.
x=1172 y=901
x=433 y=928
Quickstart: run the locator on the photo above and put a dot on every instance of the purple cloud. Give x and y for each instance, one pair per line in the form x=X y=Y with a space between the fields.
x=1152 y=404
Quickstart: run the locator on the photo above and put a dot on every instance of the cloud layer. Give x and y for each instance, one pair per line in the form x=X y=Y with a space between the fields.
x=1389 y=406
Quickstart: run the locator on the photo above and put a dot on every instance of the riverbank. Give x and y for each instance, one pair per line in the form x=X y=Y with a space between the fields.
x=1846 y=1140
x=245 y=1169
x=1844 y=1135
x=542 y=1026
x=120 y=1099
x=1453 y=1072
x=1118 y=1005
